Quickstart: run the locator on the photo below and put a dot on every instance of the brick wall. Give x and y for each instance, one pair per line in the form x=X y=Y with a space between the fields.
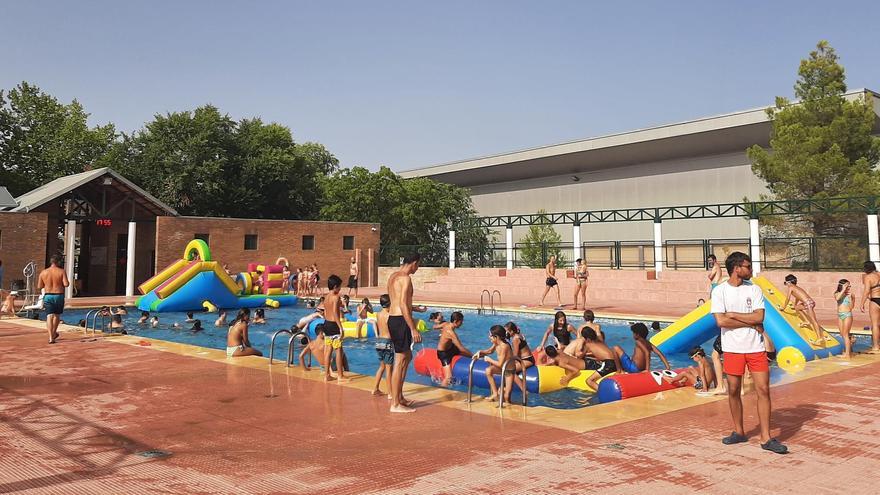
x=275 y=238
x=22 y=239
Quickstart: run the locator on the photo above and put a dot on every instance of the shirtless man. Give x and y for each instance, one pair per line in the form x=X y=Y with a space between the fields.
x=550 y=272
x=333 y=327
x=641 y=357
x=353 y=277
x=450 y=345
x=402 y=329
x=54 y=280
x=805 y=306
x=871 y=291
x=602 y=359
x=714 y=273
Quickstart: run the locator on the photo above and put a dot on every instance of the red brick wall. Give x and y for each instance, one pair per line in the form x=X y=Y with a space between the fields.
x=275 y=238
x=22 y=239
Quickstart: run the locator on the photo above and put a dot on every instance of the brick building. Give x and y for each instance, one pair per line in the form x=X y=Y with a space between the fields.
x=97 y=217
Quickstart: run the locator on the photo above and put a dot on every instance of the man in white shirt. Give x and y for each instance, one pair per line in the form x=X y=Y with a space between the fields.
x=738 y=307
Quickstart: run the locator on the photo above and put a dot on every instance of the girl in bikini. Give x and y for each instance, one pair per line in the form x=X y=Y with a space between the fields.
x=805 y=307
x=502 y=350
x=871 y=282
x=581 y=275
x=843 y=296
x=522 y=350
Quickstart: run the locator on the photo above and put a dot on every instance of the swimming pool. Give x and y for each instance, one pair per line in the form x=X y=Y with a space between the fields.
x=361 y=353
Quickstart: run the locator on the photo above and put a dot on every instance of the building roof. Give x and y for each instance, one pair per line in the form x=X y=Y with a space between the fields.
x=6 y=199
x=63 y=185
x=727 y=133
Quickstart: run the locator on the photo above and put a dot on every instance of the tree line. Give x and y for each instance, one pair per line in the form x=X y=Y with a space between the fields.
x=204 y=163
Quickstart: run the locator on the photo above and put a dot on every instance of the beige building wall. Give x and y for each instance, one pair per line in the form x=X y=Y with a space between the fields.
x=703 y=180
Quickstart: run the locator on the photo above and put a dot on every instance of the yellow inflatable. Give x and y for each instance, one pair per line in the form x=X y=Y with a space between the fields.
x=210 y=308
x=422 y=326
x=272 y=303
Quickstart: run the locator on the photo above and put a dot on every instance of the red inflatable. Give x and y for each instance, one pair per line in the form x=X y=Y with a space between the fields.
x=426 y=363
x=616 y=387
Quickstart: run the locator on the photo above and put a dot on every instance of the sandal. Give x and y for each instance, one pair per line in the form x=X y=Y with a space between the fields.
x=734 y=438
x=775 y=446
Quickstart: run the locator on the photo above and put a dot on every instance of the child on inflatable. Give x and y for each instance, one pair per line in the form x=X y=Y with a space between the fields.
x=522 y=350
x=363 y=308
x=805 y=306
x=641 y=358
x=703 y=376
x=450 y=345
x=502 y=350
x=589 y=321
x=601 y=359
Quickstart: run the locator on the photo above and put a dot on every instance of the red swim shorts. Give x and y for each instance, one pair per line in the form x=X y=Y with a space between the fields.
x=735 y=363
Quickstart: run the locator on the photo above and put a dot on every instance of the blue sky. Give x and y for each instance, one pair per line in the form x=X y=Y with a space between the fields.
x=411 y=84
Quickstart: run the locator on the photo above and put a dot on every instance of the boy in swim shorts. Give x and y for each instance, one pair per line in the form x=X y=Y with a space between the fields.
x=333 y=328
x=384 y=346
x=450 y=345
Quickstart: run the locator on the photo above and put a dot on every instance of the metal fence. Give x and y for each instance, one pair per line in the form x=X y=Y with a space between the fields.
x=796 y=253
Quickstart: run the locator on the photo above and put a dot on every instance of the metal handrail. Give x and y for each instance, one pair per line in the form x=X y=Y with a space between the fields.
x=94 y=326
x=291 y=344
x=272 y=345
x=471 y=379
x=482 y=309
x=525 y=393
x=89 y=315
x=492 y=300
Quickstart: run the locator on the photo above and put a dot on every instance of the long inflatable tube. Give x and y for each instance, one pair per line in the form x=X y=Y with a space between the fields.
x=618 y=387
x=349 y=329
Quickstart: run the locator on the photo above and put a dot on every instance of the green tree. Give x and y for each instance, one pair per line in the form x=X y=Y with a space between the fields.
x=541 y=242
x=42 y=139
x=414 y=212
x=821 y=146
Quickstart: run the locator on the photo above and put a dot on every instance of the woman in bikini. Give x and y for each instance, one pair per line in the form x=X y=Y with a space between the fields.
x=581 y=276
x=522 y=350
x=843 y=296
x=561 y=330
x=871 y=282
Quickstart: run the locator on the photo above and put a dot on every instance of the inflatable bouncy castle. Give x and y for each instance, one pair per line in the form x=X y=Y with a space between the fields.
x=197 y=282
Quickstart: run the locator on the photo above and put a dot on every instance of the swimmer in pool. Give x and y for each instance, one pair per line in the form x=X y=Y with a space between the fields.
x=259 y=317
x=190 y=318
x=154 y=321
x=116 y=322
x=221 y=319
x=145 y=317
x=450 y=345
x=562 y=331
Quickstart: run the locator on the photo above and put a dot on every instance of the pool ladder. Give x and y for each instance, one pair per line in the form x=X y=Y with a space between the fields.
x=482 y=308
x=291 y=344
x=525 y=392
x=94 y=314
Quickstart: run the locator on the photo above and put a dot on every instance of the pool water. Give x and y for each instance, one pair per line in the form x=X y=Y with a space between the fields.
x=361 y=354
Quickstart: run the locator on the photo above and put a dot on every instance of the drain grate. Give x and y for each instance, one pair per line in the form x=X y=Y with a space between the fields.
x=154 y=454
x=615 y=446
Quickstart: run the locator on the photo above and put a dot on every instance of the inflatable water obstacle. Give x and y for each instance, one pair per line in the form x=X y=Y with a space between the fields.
x=197 y=282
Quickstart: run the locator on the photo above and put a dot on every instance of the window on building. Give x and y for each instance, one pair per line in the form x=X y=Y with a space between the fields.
x=308 y=242
x=204 y=237
x=250 y=242
x=348 y=242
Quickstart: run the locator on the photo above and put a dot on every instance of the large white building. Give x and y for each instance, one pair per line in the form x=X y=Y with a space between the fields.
x=697 y=162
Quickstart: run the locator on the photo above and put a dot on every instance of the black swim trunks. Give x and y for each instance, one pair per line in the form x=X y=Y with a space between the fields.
x=717 y=344
x=401 y=335
x=331 y=329
x=604 y=367
x=445 y=356
x=562 y=336
x=551 y=282
x=352 y=282
x=530 y=359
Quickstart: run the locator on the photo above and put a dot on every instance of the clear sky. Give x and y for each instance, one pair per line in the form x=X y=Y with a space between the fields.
x=414 y=83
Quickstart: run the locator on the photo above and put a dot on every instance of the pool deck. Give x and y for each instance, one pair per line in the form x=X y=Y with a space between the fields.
x=76 y=414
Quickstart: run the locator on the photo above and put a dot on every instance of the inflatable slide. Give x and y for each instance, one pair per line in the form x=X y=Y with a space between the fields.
x=196 y=281
x=795 y=341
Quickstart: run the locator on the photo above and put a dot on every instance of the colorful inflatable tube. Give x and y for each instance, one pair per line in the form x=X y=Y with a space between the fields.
x=617 y=387
x=349 y=329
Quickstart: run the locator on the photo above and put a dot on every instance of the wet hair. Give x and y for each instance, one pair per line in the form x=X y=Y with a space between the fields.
x=655 y=325
x=456 y=317
x=551 y=351
x=310 y=304
x=197 y=325
x=589 y=315
x=411 y=258
x=556 y=324
x=145 y=313
x=154 y=318
x=366 y=301
x=222 y=312
x=511 y=327
x=589 y=334
x=241 y=315
x=639 y=329
x=697 y=351
x=82 y=323
x=840 y=284
x=869 y=267
x=435 y=315
x=116 y=319
x=385 y=300
x=334 y=282
x=319 y=329
x=189 y=315
x=260 y=313
x=499 y=332
x=790 y=279
x=734 y=260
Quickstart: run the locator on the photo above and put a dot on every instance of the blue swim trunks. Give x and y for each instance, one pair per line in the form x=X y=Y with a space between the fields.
x=53 y=303
x=628 y=365
x=385 y=350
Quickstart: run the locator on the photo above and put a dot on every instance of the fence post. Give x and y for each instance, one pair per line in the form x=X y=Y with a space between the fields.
x=509 y=250
x=451 y=249
x=707 y=250
x=755 y=244
x=814 y=253
x=617 y=252
x=576 y=241
x=658 y=247
x=873 y=238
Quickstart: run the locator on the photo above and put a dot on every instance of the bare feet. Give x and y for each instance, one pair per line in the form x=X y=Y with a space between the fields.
x=329 y=378
x=390 y=397
x=407 y=402
x=378 y=392
x=342 y=379
x=719 y=391
x=402 y=409
x=306 y=368
x=491 y=397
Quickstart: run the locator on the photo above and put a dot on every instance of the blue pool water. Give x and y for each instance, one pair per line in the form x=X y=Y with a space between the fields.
x=361 y=353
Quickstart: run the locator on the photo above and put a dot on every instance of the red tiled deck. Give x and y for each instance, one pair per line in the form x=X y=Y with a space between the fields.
x=74 y=414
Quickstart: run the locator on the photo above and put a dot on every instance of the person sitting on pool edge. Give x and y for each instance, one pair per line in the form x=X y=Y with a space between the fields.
x=450 y=345
x=641 y=358
x=237 y=343
x=603 y=360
